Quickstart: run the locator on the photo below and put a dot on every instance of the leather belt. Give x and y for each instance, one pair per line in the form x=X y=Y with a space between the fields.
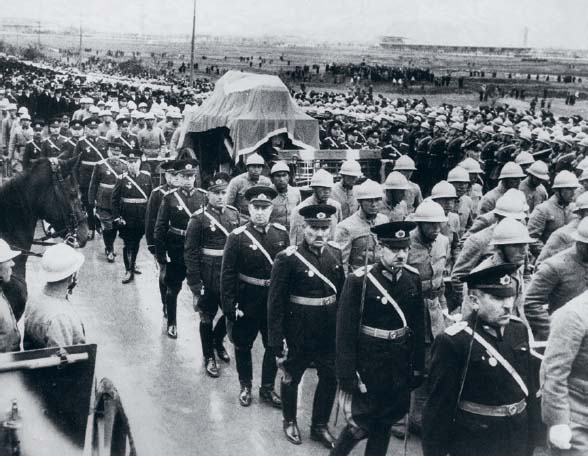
x=88 y=163
x=177 y=231
x=313 y=301
x=253 y=281
x=493 y=410
x=384 y=333
x=106 y=185
x=212 y=252
x=134 y=200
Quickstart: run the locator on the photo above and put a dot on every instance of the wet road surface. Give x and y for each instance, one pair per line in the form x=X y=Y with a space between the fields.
x=174 y=408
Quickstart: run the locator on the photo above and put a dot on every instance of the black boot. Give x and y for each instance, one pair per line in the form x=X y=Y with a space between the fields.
x=133 y=251
x=289 y=393
x=344 y=443
x=377 y=443
x=171 y=302
x=211 y=368
x=245 y=396
x=206 y=340
x=320 y=433
x=129 y=277
x=126 y=258
x=219 y=332
x=269 y=396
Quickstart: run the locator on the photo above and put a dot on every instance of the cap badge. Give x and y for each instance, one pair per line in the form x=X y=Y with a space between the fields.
x=505 y=280
x=188 y=166
x=262 y=196
x=321 y=216
x=400 y=234
x=218 y=182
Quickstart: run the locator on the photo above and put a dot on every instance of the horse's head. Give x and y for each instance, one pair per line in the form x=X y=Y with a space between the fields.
x=59 y=201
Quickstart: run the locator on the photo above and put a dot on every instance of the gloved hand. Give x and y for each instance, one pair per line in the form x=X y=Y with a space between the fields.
x=560 y=436
x=348 y=385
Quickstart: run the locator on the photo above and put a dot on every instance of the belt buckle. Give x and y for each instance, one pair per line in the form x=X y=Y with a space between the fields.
x=392 y=335
x=512 y=409
x=266 y=283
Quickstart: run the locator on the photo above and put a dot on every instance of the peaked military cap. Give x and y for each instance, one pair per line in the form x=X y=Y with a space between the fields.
x=318 y=214
x=187 y=166
x=38 y=124
x=55 y=122
x=260 y=194
x=76 y=124
x=92 y=122
x=219 y=181
x=494 y=280
x=394 y=234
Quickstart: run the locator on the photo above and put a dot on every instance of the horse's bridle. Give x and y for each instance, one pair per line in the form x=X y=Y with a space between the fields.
x=70 y=232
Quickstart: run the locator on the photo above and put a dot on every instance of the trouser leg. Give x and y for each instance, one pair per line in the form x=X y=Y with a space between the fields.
x=269 y=368
x=326 y=389
x=171 y=304
x=206 y=337
x=346 y=442
x=289 y=396
x=244 y=365
x=126 y=258
x=220 y=331
x=377 y=443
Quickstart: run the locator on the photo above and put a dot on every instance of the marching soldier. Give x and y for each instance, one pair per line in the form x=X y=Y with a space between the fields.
x=246 y=267
x=343 y=190
x=380 y=343
x=153 y=205
x=33 y=149
x=532 y=186
x=170 y=231
x=481 y=377
x=353 y=234
x=106 y=174
x=68 y=149
x=206 y=235
x=394 y=204
x=243 y=182
x=510 y=176
x=405 y=166
x=151 y=142
x=129 y=205
x=306 y=281
x=288 y=197
x=53 y=143
x=90 y=149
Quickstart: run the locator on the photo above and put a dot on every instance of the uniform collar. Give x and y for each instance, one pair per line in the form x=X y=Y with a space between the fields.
x=312 y=251
x=185 y=193
x=215 y=210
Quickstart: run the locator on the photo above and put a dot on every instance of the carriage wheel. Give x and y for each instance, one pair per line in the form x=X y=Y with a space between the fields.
x=111 y=434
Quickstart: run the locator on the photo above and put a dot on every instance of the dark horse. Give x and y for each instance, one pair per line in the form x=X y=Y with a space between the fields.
x=48 y=191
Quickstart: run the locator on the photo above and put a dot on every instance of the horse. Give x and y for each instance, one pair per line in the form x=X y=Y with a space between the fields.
x=48 y=191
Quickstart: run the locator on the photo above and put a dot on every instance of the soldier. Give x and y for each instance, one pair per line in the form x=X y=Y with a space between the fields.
x=64 y=126
x=353 y=234
x=106 y=125
x=533 y=187
x=52 y=144
x=343 y=190
x=555 y=212
x=243 y=182
x=129 y=205
x=475 y=171
x=510 y=176
x=444 y=194
x=106 y=174
x=137 y=122
x=460 y=179
x=206 y=236
x=68 y=149
x=556 y=281
x=19 y=137
x=246 y=267
x=33 y=149
x=481 y=378
x=83 y=113
x=380 y=343
x=405 y=166
x=153 y=205
x=9 y=332
x=524 y=159
x=564 y=378
x=305 y=283
x=322 y=185
x=170 y=232
x=288 y=197
x=394 y=203
x=128 y=139
x=151 y=142
x=90 y=149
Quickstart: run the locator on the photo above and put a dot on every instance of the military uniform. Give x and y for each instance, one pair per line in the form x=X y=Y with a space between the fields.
x=398 y=213
x=466 y=210
x=68 y=149
x=246 y=268
x=548 y=217
x=560 y=239
x=53 y=145
x=488 y=201
x=32 y=153
x=152 y=144
x=237 y=188
x=297 y=222
x=284 y=205
x=345 y=198
x=413 y=196
x=534 y=196
x=19 y=138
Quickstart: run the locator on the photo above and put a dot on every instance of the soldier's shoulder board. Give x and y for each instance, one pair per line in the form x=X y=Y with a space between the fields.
x=240 y=229
x=411 y=269
x=456 y=328
x=145 y=172
x=198 y=212
x=29 y=141
x=334 y=245
x=201 y=190
x=360 y=272
x=233 y=208
x=290 y=250
x=279 y=226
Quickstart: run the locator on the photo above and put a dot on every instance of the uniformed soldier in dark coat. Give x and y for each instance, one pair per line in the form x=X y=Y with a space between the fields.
x=207 y=233
x=106 y=174
x=247 y=263
x=126 y=137
x=129 y=204
x=53 y=143
x=302 y=309
x=481 y=379
x=380 y=343
x=68 y=149
x=170 y=231
x=90 y=149
x=33 y=149
x=153 y=205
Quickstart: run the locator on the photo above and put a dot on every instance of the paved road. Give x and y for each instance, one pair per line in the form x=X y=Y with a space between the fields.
x=173 y=407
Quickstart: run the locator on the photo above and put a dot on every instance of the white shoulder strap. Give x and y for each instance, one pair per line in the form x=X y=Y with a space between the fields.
x=386 y=295
x=182 y=204
x=216 y=222
x=319 y=274
x=137 y=186
x=259 y=246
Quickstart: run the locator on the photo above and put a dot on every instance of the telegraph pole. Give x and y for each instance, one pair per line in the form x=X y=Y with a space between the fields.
x=80 y=50
x=192 y=48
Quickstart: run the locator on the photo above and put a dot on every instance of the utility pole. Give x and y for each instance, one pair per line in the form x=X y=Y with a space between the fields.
x=39 y=34
x=80 y=50
x=192 y=48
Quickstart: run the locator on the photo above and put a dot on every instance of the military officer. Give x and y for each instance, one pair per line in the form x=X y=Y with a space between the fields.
x=90 y=149
x=129 y=205
x=240 y=184
x=380 y=343
x=288 y=197
x=343 y=190
x=510 y=176
x=106 y=174
x=353 y=234
x=153 y=205
x=170 y=231
x=405 y=166
x=52 y=144
x=206 y=236
x=394 y=204
x=246 y=267
x=532 y=186
x=68 y=149
x=302 y=309
x=481 y=379
x=126 y=137
x=322 y=185
x=33 y=149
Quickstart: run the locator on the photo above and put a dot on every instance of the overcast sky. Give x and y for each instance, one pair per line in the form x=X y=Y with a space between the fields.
x=551 y=23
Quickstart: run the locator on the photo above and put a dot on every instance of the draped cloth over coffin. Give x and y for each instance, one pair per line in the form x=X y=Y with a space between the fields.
x=254 y=107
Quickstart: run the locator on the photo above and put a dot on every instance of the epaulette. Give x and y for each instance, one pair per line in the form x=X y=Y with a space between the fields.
x=360 y=272
x=290 y=250
x=64 y=137
x=279 y=226
x=29 y=141
x=232 y=207
x=334 y=244
x=456 y=328
x=240 y=229
x=198 y=212
x=411 y=269
x=145 y=172
x=201 y=190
